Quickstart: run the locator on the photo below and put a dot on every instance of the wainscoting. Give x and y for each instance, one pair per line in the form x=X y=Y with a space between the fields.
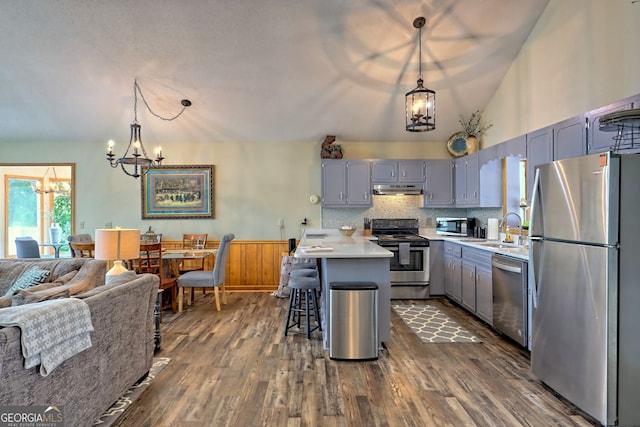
x=254 y=265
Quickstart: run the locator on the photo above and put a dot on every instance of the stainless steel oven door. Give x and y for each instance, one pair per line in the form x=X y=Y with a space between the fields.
x=416 y=271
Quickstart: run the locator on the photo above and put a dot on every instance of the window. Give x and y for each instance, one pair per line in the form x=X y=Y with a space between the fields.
x=28 y=213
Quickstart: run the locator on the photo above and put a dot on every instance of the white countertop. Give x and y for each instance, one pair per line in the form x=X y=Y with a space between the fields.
x=332 y=246
x=516 y=251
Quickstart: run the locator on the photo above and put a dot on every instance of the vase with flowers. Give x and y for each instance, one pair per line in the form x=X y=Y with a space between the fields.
x=467 y=140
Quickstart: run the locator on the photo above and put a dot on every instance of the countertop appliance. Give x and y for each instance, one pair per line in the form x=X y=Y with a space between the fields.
x=586 y=297
x=510 y=297
x=409 y=267
x=464 y=227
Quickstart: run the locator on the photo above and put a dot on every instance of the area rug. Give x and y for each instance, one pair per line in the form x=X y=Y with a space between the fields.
x=130 y=396
x=432 y=325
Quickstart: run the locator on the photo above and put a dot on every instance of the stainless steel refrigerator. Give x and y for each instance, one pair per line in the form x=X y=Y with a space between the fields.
x=585 y=279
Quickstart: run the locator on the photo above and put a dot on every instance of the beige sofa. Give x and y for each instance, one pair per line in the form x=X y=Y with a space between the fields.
x=122 y=340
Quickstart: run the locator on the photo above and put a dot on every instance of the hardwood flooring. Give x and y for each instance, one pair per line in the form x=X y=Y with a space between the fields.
x=236 y=368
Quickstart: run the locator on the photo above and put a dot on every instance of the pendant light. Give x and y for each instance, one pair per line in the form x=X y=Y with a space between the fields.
x=136 y=155
x=420 y=103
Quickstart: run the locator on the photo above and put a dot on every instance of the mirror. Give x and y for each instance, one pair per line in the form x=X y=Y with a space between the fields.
x=36 y=197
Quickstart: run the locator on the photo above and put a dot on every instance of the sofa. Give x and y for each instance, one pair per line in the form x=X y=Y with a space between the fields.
x=122 y=340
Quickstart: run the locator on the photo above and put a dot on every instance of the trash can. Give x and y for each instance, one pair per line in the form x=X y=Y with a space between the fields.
x=353 y=320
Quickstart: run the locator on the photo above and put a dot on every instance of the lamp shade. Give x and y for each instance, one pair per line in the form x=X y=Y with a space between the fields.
x=117 y=244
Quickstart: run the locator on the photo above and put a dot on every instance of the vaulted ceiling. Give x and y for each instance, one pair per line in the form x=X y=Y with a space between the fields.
x=255 y=70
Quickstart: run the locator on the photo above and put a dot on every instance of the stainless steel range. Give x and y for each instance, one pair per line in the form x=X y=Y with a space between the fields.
x=410 y=263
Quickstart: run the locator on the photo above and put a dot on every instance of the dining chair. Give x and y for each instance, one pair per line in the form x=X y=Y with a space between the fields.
x=208 y=279
x=150 y=261
x=27 y=247
x=79 y=238
x=82 y=250
x=193 y=241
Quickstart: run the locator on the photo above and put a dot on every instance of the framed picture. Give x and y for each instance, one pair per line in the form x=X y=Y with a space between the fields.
x=178 y=192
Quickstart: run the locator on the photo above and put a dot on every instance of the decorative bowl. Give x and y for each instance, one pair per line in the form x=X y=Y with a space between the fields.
x=347 y=231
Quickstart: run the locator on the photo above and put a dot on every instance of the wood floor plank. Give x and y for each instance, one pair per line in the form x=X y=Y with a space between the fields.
x=236 y=368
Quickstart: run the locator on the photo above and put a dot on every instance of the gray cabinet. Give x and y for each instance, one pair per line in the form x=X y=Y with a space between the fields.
x=478 y=181
x=569 y=138
x=468 y=279
x=392 y=171
x=539 y=151
x=477 y=295
x=562 y=140
x=346 y=183
x=436 y=268
x=453 y=271
x=438 y=188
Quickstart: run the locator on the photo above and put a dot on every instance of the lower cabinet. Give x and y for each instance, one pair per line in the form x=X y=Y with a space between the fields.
x=468 y=279
x=436 y=268
x=453 y=271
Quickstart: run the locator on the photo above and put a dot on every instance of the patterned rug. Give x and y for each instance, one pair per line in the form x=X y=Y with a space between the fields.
x=130 y=396
x=433 y=326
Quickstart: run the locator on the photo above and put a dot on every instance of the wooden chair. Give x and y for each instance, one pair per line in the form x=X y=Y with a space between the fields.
x=82 y=250
x=208 y=279
x=150 y=261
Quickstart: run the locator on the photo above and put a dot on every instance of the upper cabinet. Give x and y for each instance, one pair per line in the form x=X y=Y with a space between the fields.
x=438 y=188
x=556 y=142
x=392 y=171
x=478 y=181
x=597 y=140
x=346 y=183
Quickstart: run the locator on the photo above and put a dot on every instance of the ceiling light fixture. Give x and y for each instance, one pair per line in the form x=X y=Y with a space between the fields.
x=136 y=155
x=52 y=185
x=420 y=103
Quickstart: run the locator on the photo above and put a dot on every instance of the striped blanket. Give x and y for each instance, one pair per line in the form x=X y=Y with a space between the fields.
x=51 y=331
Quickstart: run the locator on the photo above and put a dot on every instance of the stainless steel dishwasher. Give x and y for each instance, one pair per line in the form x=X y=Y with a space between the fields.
x=510 y=297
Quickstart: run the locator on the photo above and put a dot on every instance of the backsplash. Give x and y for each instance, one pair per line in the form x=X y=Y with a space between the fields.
x=402 y=207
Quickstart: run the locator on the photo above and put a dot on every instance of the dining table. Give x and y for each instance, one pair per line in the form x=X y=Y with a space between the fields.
x=176 y=255
x=56 y=247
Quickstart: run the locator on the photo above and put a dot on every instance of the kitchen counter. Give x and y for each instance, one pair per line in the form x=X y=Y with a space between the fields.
x=495 y=246
x=340 y=247
x=350 y=259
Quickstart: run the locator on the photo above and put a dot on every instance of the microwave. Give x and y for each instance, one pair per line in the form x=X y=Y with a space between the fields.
x=462 y=227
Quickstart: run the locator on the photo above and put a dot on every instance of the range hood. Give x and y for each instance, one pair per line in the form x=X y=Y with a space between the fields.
x=392 y=189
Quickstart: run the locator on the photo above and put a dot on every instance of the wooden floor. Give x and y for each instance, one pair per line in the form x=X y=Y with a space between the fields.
x=235 y=368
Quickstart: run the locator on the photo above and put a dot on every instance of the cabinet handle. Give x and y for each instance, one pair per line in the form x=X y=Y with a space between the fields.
x=430 y=195
x=393 y=174
x=341 y=196
x=366 y=195
x=404 y=173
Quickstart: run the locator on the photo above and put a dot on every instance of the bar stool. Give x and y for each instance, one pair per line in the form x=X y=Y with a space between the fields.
x=303 y=288
x=303 y=272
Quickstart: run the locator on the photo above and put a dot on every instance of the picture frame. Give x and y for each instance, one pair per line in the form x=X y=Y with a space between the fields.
x=178 y=192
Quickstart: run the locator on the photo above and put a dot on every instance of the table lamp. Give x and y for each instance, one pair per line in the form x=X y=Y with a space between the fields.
x=115 y=245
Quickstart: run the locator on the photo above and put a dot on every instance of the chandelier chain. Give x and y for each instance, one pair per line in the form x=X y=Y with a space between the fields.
x=137 y=90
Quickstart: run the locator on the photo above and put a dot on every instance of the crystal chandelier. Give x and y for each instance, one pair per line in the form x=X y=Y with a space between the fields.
x=420 y=103
x=136 y=155
x=52 y=185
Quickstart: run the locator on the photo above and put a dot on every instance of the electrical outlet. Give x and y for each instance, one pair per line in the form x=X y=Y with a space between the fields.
x=82 y=225
x=108 y=225
x=281 y=222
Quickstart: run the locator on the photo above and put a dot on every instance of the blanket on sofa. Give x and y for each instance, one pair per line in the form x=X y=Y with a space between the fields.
x=51 y=331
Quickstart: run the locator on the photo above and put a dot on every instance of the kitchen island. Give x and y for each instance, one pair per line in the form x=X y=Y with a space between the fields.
x=350 y=259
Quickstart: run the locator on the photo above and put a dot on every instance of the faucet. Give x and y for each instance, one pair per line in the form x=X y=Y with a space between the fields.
x=506 y=227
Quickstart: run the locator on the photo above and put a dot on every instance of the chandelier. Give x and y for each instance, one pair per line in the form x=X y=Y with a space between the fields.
x=136 y=158
x=420 y=103
x=52 y=185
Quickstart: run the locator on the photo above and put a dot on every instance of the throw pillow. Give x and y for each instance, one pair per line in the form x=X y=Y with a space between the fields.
x=28 y=279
